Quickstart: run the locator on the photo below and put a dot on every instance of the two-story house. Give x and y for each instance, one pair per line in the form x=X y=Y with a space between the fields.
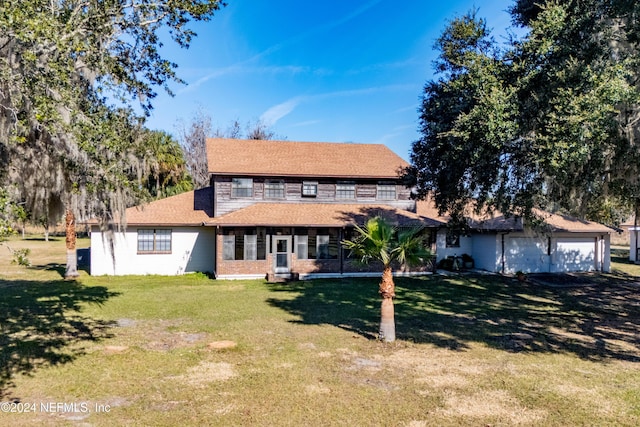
x=281 y=208
x=277 y=208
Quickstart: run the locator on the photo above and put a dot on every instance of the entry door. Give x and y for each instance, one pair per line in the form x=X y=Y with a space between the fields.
x=282 y=254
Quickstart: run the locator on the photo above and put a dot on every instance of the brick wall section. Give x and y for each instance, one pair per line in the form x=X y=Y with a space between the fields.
x=305 y=266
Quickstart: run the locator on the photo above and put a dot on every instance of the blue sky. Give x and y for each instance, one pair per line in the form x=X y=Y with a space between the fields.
x=334 y=71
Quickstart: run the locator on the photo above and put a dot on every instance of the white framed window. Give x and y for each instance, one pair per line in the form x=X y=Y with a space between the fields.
x=386 y=191
x=274 y=189
x=154 y=241
x=453 y=239
x=250 y=247
x=229 y=247
x=242 y=187
x=309 y=188
x=322 y=247
x=345 y=190
x=302 y=247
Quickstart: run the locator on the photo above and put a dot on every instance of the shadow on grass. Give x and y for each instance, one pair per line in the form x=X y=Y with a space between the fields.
x=52 y=266
x=599 y=322
x=41 y=324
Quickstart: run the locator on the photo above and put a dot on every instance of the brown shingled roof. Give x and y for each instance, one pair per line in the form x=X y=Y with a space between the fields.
x=500 y=222
x=317 y=215
x=190 y=208
x=305 y=159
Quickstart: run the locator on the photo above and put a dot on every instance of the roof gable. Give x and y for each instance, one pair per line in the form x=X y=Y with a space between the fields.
x=190 y=208
x=304 y=159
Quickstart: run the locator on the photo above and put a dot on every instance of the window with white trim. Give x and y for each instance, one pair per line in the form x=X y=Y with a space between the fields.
x=309 y=188
x=345 y=190
x=242 y=187
x=274 y=189
x=302 y=247
x=322 y=247
x=453 y=239
x=250 y=247
x=386 y=191
x=154 y=241
x=229 y=247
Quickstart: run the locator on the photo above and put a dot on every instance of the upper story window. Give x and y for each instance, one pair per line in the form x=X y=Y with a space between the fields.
x=242 y=187
x=274 y=189
x=345 y=190
x=386 y=191
x=154 y=241
x=310 y=188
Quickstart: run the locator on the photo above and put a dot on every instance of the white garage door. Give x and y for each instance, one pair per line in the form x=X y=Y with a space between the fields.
x=527 y=254
x=575 y=254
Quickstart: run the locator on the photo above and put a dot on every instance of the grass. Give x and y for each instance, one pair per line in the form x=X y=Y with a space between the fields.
x=472 y=350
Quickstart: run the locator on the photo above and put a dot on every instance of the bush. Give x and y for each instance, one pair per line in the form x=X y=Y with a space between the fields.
x=21 y=257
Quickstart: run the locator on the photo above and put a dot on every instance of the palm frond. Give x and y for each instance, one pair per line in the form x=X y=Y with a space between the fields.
x=379 y=240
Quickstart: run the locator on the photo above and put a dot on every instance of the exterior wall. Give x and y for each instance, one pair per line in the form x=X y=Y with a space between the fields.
x=558 y=253
x=303 y=268
x=192 y=249
x=442 y=251
x=634 y=233
x=485 y=252
x=527 y=253
x=366 y=192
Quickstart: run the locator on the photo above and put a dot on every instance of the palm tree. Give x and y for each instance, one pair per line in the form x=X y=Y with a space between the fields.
x=380 y=241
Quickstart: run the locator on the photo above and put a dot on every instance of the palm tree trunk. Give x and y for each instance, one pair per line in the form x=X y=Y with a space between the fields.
x=71 y=271
x=387 y=315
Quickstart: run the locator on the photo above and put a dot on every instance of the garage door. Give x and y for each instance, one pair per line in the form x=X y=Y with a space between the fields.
x=527 y=254
x=575 y=254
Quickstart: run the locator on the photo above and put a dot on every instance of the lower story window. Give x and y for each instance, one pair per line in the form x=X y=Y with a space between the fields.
x=247 y=244
x=322 y=247
x=302 y=247
x=229 y=247
x=453 y=239
x=154 y=241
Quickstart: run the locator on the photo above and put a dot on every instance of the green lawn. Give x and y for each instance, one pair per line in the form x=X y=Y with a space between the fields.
x=472 y=350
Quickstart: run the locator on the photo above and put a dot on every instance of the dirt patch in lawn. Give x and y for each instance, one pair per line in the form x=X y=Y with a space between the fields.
x=158 y=335
x=206 y=372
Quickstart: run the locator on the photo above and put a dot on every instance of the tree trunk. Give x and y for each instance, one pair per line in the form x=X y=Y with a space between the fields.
x=72 y=261
x=387 y=315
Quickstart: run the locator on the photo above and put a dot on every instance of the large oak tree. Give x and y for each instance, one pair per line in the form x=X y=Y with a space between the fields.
x=548 y=120
x=71 y=72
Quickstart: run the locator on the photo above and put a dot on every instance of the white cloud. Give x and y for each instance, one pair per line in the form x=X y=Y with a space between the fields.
x=275 y=113
x=278 y=111
x=241 y=66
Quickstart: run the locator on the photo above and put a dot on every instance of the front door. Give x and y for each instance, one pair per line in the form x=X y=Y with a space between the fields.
x=282 y=254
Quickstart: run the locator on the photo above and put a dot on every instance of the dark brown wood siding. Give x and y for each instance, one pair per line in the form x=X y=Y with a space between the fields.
x=366 y=192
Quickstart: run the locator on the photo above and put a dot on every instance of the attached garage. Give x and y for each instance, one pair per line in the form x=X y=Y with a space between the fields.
x=576 y=254
x=504 y=244
x=555 y=253
x=527 y=254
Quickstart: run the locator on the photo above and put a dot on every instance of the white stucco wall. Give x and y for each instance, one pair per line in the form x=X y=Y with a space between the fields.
x=442 y=251
x=192 y=249
x=527 y=253
x=568 y=252
x=633 y=252
x=485 y=252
